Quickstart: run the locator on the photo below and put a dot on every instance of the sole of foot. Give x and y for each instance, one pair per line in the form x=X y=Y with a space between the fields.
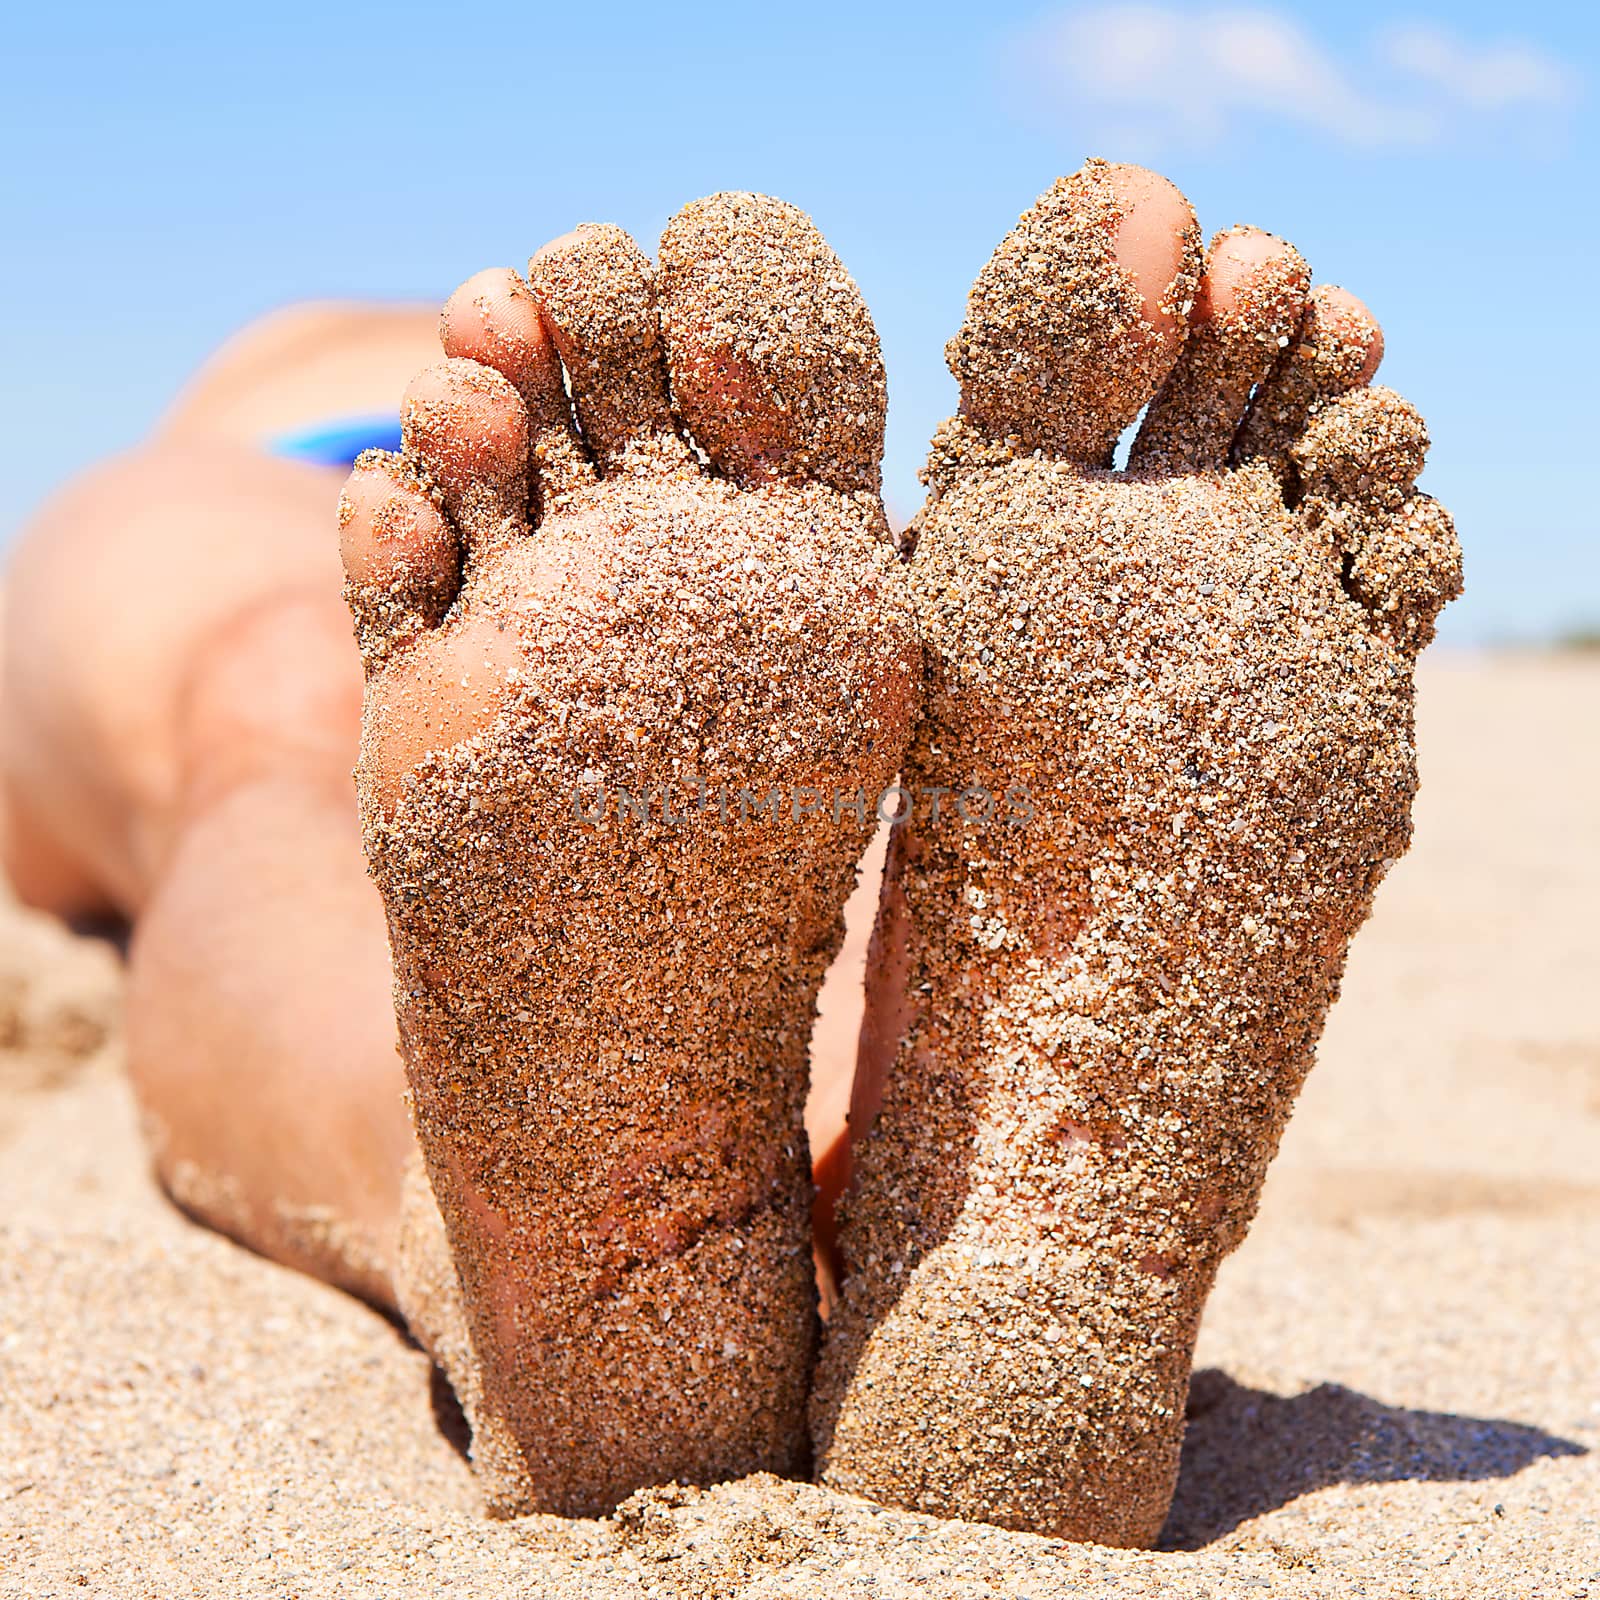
x=1089 y=1013
x=631 y=624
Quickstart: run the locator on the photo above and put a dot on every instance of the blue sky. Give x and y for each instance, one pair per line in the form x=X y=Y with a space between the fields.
x=173 y=170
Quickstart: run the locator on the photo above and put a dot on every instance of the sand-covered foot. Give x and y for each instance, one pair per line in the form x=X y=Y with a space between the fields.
x=616 y=682
x=1186 y=692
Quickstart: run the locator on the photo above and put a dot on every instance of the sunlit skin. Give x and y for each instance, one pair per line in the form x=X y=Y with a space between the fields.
x=142 y=783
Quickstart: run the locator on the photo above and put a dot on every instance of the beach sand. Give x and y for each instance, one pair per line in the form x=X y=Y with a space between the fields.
x=1398 y=1386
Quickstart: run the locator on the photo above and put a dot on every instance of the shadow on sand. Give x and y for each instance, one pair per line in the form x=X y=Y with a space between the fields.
x=448 y=1416
x=1249 y=1451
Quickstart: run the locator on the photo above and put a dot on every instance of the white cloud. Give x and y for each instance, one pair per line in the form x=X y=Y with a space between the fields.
x=1154 y=74
x=1486 y=77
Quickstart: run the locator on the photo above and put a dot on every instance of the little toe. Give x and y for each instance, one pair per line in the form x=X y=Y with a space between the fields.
x=1338 y=347
x=774 y=360
x=464 y=429
x=493 y=319
x=1406 y=569
x=1251 y=301
x=1080 y=313
x=596 y=292
x=1357 y=463
x=402 y=560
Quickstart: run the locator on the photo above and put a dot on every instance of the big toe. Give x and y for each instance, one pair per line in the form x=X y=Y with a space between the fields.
x=774 y=360
x=1078 y=316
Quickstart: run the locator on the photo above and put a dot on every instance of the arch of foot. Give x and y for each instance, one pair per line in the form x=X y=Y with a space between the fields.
x=1077 y=318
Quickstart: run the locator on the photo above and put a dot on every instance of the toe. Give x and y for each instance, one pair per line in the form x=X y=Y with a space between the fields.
x=1337 y=348
x=1357 y=463
x=1406 y=569
x=774 y=360
x=1079 y=315
x=402 y=561
x=464 y=429
x=494 y=320
x=1367 y=447
x=596 y=292
x=1252 y=299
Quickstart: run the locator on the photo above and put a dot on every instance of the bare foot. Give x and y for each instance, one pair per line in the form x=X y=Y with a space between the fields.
x=591 y=657
x=1199 y=674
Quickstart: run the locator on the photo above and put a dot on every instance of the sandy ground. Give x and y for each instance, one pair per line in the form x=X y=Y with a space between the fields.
x=1399 y=1385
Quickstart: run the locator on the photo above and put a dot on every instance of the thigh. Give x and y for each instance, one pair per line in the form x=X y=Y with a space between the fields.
x=110 y=595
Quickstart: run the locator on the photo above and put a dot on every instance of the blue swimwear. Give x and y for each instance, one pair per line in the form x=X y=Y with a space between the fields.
x=337 y=444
